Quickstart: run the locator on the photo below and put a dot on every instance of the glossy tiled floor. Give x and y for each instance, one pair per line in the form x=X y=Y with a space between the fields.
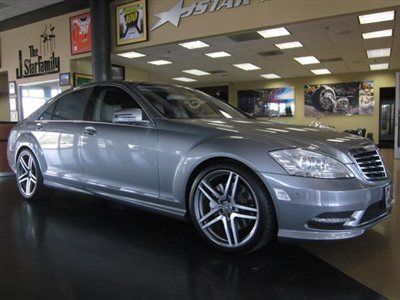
x=374 y=258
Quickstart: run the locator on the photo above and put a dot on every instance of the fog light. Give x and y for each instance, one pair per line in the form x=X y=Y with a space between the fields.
x=330 y=220
x=282 y=195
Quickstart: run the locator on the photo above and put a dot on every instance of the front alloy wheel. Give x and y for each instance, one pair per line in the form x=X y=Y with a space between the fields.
x=231 y=209
x=29 y=177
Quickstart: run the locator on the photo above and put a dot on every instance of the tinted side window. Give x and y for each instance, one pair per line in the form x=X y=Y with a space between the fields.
x=72 y=106
x=110 y=100
x=48 y=113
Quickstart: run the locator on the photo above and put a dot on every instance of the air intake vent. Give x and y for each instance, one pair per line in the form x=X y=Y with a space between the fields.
x=328 y=60
x=271 y=53
x=369 y=162
x=217 y=72
x=244 y=37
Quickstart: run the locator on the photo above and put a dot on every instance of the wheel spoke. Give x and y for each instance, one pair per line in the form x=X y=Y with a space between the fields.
x=30 y=162
x=28 y=186
x=228 y=183
x=209 y=214
x=213 y=192
x=23 y=164
x=215 y=220
x=242 y=216
x=227 y=233
x=234 y=187
x=247 y=208
x=234 y=229
x=33 y=179
x=23 y=179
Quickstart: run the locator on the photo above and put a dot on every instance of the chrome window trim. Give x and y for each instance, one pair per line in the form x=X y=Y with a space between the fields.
x=151 y=125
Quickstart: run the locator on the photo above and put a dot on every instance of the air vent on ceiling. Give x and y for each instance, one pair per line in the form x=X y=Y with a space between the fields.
x=3 y=5
x=328 y=60
x=271 y=53
x=344 y=32
x=244 y=37
x=217 y=72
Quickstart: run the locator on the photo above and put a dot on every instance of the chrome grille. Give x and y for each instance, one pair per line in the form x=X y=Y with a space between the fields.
x=369 y=162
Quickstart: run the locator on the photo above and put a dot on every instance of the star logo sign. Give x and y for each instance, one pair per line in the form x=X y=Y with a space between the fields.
x=173 y=15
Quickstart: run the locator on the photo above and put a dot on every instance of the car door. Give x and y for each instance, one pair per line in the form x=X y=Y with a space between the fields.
x=119 y=159
x=58 y=132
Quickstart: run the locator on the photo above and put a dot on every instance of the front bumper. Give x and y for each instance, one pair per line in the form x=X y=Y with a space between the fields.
x=326 y=209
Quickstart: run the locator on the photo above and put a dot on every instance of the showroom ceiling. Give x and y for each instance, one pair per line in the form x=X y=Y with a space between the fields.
x=12 y=8
x=336 y=42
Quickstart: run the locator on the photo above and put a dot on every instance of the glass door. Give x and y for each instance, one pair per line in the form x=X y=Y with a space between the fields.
x=34 y=95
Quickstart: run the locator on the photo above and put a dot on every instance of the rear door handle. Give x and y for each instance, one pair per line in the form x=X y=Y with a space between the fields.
x=39 y=126
x=89 y=130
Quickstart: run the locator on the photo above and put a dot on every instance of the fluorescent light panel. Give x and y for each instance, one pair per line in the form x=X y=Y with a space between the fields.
x=184 y=79
x=321 y=71
x=270 y=76
x=377 y=34
x=307 y=60
x=160 y=62
x=247 y=67
x=218 y=54
x=383 y=66
x=374 y=53
x=196 y=72
x=377 y=17
x=289 y=45
x=194 y=45
x=131 y=54
x=275 y=32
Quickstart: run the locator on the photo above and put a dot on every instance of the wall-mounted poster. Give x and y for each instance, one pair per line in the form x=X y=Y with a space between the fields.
x=80 y=79
x=350 y=98
x=219 y=92
x=65 y=79
x=274 y=102
x=80 y=31
x=131 y=22
x=12 y=88
x=117 y=72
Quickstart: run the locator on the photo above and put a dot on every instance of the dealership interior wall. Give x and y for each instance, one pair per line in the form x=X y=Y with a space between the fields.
x=328 y=30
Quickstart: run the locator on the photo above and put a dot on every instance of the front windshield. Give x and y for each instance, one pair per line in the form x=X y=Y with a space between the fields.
x=176 y=102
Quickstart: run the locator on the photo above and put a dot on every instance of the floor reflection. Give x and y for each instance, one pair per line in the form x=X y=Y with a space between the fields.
x=75 y=246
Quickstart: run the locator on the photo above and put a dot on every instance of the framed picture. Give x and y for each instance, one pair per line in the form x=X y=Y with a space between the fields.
x=13 y=103
x=80 y=79
x=80 y=32
x=65 y=79
x=12 y=88
x=117 y=72
x=348 y=98
x=131 y=22
x=272 y=102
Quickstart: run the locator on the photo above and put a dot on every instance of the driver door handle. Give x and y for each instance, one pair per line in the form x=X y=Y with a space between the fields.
x=89 y=130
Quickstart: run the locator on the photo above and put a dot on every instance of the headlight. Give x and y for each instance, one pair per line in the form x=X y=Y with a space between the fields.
x=306 y=163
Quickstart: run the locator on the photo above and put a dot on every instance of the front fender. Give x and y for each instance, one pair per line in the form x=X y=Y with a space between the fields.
x=249 y=152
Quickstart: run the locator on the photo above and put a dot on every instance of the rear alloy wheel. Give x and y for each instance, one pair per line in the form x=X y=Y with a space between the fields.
x=231 y=209
x=29 y=177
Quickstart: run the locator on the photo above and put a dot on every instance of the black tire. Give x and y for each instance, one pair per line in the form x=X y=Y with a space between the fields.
x=40 y=192
x=265 y=229
x=316 y=99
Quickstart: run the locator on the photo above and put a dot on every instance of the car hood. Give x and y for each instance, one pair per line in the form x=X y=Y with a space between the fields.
x=278 y=136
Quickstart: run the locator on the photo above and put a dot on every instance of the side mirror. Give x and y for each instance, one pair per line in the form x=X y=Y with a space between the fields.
x=129 y=116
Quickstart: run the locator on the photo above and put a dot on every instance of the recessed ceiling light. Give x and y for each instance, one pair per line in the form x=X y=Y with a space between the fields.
x=160 y=62
x=377 y=17
x=194 y=45
x=383 y=66
x=196 y=72
x=270 y=76
x=307 y=60
x=289 y=45
x=269 y=33
x=374 y=53
x=218 y=54
x=377 y=34
x=321 y=71
x=131 y=54
x=247 y=67
x=184 y=79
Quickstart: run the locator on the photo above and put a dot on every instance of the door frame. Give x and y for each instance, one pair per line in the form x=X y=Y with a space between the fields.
x=397 y=119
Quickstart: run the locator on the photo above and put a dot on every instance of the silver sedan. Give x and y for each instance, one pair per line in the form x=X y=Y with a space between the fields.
x=179 y=152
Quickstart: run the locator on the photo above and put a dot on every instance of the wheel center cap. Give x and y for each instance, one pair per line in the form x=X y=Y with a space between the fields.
x=226 y=207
